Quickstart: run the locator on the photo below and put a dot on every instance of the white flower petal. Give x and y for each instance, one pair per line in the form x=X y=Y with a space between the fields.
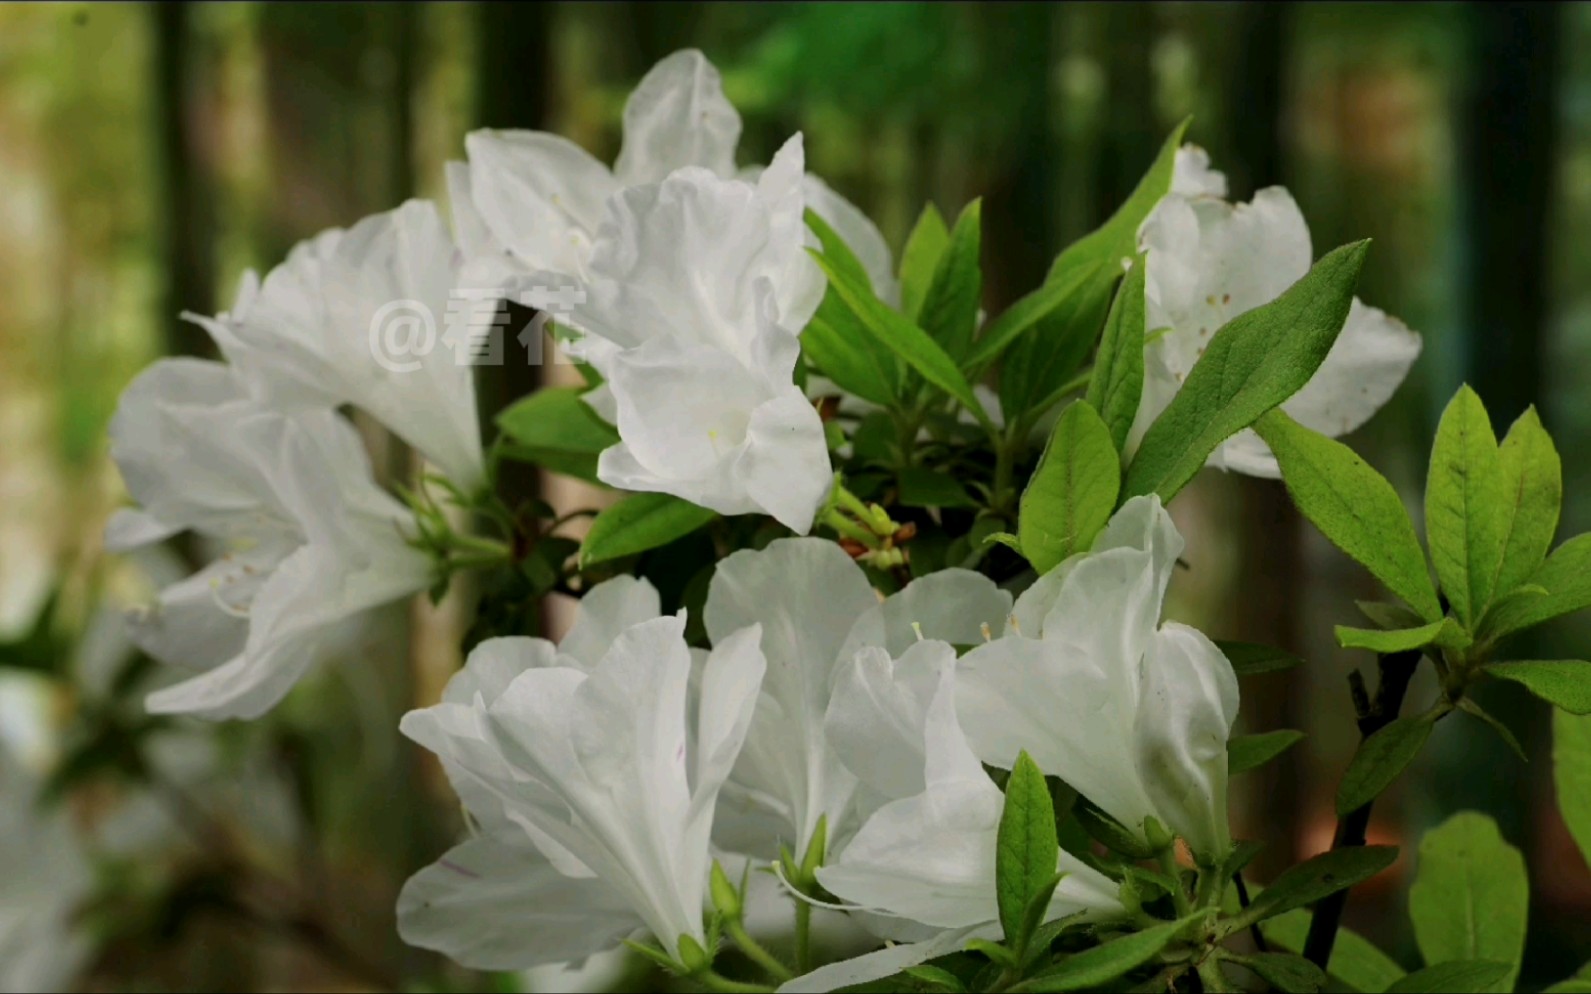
x=1191 y=175
x=540 y=196
x=606 y=610
x=858 y=232
x=877 y=713
x=886 y=962
x=677 y=116
x=492 y=906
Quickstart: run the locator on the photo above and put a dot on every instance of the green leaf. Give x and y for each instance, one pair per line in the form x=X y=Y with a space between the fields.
x=1354 y=959
x=1313 y=879
x=949 y=312
x=1027 y=850
x=1566 y=576
x=1285 y=971
x=1390 y=614
x=1379 y=760
x=1247 y=752
x=1464 y=505
x=1445 y=633
x=1118 y=381
x=1563 y=683
x=1458 y=977
x=837 y=345
x=938 y=979
x=1253 y=363
x=1470 y=896
x=1104 y=829
x=556 y=418
x=640 y=522
x=1532 y=496
x=1073 y=490
x=1353 y=506
x=920 y=259
x=1469 y=707
x=1573 y=985
x=1571 y=775
x=902 y=337
x=1093 y=968
x=1249 y=658
x=924 y=487
x=1051 y=330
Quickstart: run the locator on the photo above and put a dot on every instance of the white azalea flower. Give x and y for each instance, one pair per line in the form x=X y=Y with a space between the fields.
x=930 y=857
x=594 y=791
x=698 y=288
x=1132 y=713
x=44 y=877
x=1208 y=262
x=313 y=542
x=361 y=317
x=528 y=201
x=817 y=611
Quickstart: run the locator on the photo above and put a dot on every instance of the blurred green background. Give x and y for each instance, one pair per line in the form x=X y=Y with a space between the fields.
x=151 y=153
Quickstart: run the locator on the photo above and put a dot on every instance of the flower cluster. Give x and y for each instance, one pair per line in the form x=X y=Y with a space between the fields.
x=891 y=627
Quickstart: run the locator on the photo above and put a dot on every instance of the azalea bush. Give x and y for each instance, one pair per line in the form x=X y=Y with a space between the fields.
x=870 y=611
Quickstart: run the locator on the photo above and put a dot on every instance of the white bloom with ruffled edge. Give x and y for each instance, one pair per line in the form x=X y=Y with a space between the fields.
x=697 y=291
x=312 y=542
x=817 y=612
x=1133 y=714
x=363 y=317
x=593 y=787
x=930 y=857
x=1208 y=262
x=529 y=201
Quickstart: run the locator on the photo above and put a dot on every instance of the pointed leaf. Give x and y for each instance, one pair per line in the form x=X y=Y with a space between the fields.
x=1353 y=506
x=1563 y=683
x=556 y=418
x=923 y=487
x=1379 y=760
x=1458 y=977
x=1532 y=496
x=1571 y=775
x=640 y=522
x=1118 y=381
x=1470 y=896
x=1445 y=633
x=1253 y=363
x=1073 y=491
x=1286 y=971
x=1249 y=658
x=1096 y=967
x=1247 y=752
x=1313 y=879
x=1027 y=849
x=1566 y=576
x=950 y=310
x=836 y=344
x=924 y=246
x=1464 y=505
x=1355 y=961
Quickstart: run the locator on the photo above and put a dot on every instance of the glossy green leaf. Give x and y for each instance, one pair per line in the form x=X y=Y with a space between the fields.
x=1118 y=381
x=1445 y=633
x=1072 y=492
x=1027 y=850
x=1532 y=484
x=1458 y=977
x=1249 y=658
x=1353 y=506
x=1563 y=683
x=835 y=340
x=901 y=336
x=949 y=312
x=1313 y=879
x=1470 y=896
x=1093 y=968
x=640 y=522
x=923 y=487
x=1253 y=363
x=1464 y=505
x=1355 y=961
x=1379 y=760
x=925 y=245
x=1571 y=775
x=556 y=418
x=1247 y=752
x=1286 y=971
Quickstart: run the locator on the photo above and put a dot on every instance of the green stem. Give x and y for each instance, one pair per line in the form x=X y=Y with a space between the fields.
x=717 y=982
x=1211 y=977
x=484 y=546
x=803 y=936
x=850 y=529
x=1168 y=866
x=755 y=951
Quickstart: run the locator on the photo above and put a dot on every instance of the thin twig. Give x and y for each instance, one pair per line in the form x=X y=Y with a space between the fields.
x=1243 y=902
x=1396 y=670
